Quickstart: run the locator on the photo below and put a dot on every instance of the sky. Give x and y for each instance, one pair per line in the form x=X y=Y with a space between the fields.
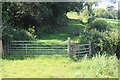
x=106 y=3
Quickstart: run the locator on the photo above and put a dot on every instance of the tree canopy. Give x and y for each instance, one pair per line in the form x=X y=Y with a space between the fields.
x=43 y=17
x=25 y=15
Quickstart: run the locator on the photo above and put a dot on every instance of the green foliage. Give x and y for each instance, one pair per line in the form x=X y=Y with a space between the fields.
x=99 y=24
x=89 y=7
x=76 y=30
x=45 y=17
x=84 y=13
x=118 y=14
x=101 y=41
x=10 y=33
x=112 y=24
x=103 y=13
x=91 y=19
x=15 y=12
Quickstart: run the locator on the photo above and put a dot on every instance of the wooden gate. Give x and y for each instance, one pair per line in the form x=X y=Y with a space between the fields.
x=78 y=49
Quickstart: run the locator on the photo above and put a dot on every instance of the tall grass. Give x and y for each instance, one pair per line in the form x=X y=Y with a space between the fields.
x=0 y=67
x=100 y=66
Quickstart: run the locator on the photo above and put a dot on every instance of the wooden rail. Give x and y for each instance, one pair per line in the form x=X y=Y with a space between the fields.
x=79 y=49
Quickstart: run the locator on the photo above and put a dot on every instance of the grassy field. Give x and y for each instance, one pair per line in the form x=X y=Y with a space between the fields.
x=112 y=23
x=60 y=67
x=61 y=37
x=74 y=15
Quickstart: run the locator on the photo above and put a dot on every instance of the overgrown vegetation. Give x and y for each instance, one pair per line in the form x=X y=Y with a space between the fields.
x=100 y=66
x=99 y=31
x=44 y=18
x=53 y=23
x=105 y=13
x=101 y=41
x=98 y=24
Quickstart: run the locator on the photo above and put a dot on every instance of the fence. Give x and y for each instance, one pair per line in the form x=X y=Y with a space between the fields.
x=1 y=48
x=79 y=49
x=34 y=48
x=28 y=48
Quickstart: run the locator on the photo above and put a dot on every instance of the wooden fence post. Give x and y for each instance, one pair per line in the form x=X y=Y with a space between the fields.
x=8 y=48
x=69 y=47
x=1 y=49
x=37 y=47
x=89 y=48
x=74 y=48
x=26 y=49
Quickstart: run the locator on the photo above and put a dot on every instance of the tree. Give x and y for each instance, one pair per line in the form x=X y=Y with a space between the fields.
x=42 y=17
x=118 y=14
x=89 y=4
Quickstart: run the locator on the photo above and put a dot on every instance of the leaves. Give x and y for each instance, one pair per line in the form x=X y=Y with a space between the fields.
x=45 y=17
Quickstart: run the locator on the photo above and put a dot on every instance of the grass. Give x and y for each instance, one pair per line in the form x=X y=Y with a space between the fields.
x=73 y=24
x=60 y=67
x=0 y=68
x=33 y=52
x=112 y=23
x=68 y=31
x=57 y=39
x=74 y=15
x=61 y=37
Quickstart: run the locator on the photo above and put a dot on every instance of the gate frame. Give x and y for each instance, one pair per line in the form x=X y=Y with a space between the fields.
x=73 y=46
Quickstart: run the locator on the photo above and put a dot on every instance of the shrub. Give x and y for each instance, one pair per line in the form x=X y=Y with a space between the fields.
x=99 y=24
x=101 y=41
x=103 y=13
x=91 y=19
x=107 y=15
x=10 y=33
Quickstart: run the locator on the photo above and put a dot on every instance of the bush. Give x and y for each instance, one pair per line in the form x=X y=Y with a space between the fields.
x=10 y=33
x=91 y=19
x=77 y=29
x=103 y=13
x=101 y=41
x=107 y=15
x=99 y=24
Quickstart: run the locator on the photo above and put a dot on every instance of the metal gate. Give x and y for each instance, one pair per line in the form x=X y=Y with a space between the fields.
x=28 y=48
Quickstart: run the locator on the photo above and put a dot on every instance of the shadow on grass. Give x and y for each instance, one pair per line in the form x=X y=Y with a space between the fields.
x=58 y=36
x=65 y=32
x=13 y=57
x=23 y=57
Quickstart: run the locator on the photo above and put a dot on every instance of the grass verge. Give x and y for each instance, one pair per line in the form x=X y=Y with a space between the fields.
x=100 y=66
